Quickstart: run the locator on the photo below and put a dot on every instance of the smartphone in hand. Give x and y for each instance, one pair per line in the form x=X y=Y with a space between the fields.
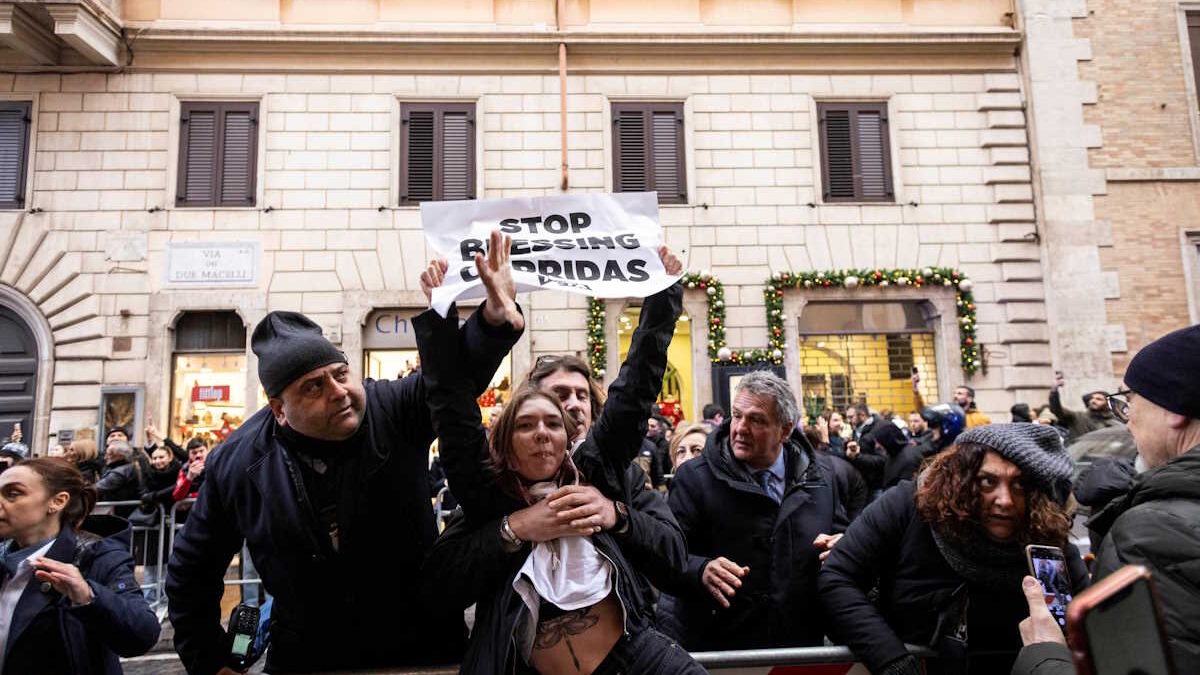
x=1049 y=566
x=1116 y=627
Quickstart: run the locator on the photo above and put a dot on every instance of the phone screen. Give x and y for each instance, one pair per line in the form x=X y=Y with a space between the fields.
x=1050 y=568
x=241 y=644
x=1122 y=634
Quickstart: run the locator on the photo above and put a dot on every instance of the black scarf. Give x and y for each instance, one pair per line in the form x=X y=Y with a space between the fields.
x=983 y=562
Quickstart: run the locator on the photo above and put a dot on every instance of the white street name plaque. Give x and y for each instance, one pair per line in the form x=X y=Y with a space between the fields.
x=193 y=263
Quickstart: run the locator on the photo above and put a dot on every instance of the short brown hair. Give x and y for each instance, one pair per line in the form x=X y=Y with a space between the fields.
x=548 y=365
x=948 y=499
x=501 y=446
x=60 y=475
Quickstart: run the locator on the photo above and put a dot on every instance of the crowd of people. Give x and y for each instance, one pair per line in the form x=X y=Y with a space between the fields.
x=593 y=536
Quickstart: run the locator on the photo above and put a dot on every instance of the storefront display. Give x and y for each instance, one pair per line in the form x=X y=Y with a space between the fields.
x=209 y=396
x=676 y=396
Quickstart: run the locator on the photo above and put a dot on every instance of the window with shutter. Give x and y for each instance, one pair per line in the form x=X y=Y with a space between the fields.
x=648 y=150
x=437 y=152
x=218 y=152
x=855 y=152
x=15 y=119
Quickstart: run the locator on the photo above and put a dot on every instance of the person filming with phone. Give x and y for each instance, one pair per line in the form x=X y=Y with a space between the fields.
x=947 y=551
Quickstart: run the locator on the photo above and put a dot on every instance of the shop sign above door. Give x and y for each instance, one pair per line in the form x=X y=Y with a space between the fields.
x=390 y=329
x=193 y=263
x=211 y=393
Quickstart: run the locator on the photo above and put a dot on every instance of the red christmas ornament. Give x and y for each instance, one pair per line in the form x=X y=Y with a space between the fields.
x=826 y=283
x=779 y=294
x=599 y=347
x=716 y=320
x=878 y=274
x=969 y=342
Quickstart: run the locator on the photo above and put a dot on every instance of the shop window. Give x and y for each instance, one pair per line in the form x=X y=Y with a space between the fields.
x=856 y=161
x=390 y=352
x=865 y=352
x=437 y=152
x=208 y=388
x=675 y=399
x=648 y=150
x=217 y=154
x=15 y=120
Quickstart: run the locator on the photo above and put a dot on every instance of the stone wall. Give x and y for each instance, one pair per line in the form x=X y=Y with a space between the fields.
x=106 y=147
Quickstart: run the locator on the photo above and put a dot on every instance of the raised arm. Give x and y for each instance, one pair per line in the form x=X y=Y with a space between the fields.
x=449 y=380
x=617 y=435
x=202 y=552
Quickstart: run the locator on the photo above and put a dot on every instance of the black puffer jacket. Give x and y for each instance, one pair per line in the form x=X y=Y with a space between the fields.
x=723 y=512
x=1157 y=524
x=852 y=487
x=890 y=545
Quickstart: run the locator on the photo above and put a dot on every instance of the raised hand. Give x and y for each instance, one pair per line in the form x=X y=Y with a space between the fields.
x=433 y=276
x=495 y=271
x=669 y=260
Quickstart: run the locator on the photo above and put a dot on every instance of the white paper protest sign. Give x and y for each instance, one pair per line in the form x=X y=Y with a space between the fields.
x=601 y=245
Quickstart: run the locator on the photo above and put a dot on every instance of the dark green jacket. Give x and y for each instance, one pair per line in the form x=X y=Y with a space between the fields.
x=1157 y=524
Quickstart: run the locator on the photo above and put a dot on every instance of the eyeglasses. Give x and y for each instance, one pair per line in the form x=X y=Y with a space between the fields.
x=1118 y=403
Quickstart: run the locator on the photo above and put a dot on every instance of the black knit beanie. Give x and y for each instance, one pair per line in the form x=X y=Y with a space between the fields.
x=1167 y=372
x=288 y=345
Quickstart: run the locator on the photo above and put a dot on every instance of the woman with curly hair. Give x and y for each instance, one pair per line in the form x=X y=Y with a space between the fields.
x=946 y=553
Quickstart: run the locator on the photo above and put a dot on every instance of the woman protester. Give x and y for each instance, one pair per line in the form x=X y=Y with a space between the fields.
x=79 y=606
x=687 y=442
x=83 y=454
x=554 y=539
x=946 y=553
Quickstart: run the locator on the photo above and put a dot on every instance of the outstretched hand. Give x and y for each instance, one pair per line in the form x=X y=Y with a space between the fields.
x=669 y=260
x=495 y=271
x=433 y=276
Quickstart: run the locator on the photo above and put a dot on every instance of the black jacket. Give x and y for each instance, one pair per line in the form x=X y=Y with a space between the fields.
x=49 y=636
x=91 y=470
x=852 y=487
x=120 y=482
x=365 y=605
x=878 y=444
x=1155 y=524
x=723 y=512
x=890 y=545
x=469 y=560
x=471 y=566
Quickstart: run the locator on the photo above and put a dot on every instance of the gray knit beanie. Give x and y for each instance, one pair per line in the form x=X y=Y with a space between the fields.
x=1035 y=448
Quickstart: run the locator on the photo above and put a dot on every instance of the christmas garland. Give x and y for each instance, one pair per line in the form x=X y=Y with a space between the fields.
x=718 y=352
x=850 y=279
x=598 y=346
x=715 y=291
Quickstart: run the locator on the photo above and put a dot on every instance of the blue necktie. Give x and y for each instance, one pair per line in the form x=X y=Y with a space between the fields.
x=764 y=478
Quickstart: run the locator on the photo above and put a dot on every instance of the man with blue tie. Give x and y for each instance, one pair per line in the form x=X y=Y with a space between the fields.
x=757 y=508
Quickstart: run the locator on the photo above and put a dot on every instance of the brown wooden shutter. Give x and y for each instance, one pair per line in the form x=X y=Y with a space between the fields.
x=856 y=156
x=14 y=152
x=437 y=152
x=239 y=144
x=217 y=154
x=648 y=150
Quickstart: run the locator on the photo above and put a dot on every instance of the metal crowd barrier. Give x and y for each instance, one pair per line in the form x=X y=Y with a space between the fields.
x=162 y=536
x=793 y=661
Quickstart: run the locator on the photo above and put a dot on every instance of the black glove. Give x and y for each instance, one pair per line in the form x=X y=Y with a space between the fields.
x=148 y=502
x=905 y=665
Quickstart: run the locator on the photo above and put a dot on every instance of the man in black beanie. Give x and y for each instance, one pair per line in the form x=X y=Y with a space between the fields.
x=1156 y=522
x=328 y=487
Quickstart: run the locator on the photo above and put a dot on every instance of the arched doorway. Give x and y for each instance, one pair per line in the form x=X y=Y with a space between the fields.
x=18 y=375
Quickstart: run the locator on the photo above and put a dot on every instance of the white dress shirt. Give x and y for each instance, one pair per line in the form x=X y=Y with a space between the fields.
x=10 y=594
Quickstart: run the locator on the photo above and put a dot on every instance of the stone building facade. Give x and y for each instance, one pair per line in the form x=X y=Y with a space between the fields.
x=1114 y=109
x=104 y=267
